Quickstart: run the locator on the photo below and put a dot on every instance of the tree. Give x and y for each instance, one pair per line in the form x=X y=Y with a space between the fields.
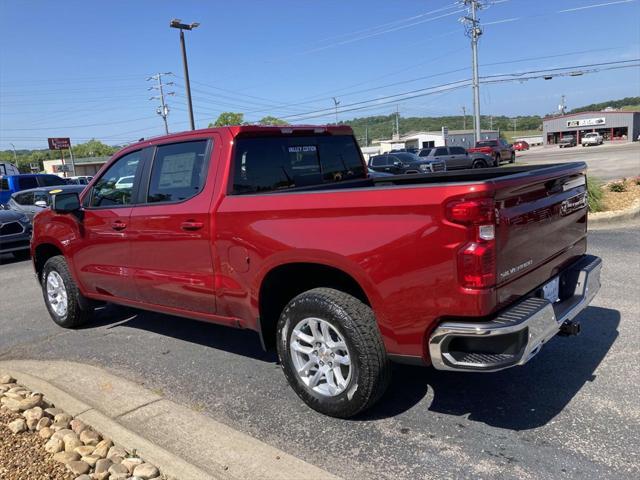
x=228 y=118
x=269 y=120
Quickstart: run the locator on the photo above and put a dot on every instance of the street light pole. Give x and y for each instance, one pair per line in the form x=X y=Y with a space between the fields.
x=176 y=23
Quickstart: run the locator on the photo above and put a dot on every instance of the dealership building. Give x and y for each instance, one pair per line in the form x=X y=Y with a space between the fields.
x=612 y=125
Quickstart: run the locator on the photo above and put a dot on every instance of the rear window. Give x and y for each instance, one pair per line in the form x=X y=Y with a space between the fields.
x=457 y=151
x=265 y=164
x=487 y=143
x=378 y=161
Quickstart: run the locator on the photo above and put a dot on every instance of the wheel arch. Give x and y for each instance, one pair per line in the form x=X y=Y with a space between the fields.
x=43 y=252
x=283 y=282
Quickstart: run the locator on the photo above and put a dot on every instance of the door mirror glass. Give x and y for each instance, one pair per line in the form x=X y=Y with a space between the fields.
x=66 y=202
x=40 y=203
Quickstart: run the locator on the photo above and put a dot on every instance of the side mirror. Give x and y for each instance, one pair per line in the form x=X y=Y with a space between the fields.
x=65 y=202
x=41 y=204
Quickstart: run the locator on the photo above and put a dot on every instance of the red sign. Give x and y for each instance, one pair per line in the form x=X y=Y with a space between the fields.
x=59 y=143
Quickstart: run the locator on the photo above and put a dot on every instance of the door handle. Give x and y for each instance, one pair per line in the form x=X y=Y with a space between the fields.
x=118 y=225
x=191 y=225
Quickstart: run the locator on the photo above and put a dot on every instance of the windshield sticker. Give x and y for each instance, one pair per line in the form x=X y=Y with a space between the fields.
x=302 y=148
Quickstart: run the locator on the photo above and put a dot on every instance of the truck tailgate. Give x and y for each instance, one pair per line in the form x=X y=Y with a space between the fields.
x=541 y=227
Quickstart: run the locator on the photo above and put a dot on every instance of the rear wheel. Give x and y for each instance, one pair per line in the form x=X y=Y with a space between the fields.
x=513 y=157
x=497 y=157
x=331 y=352
x=66 y=305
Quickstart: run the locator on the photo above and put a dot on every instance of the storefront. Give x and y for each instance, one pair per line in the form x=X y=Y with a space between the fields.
x=612 y=125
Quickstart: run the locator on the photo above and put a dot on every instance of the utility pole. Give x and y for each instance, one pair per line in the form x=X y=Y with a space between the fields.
x=398 y=121
x=473 y=31
x=177 y=23
x=366 y=136
x=163 y=109
x=491 y=122
x=464 y=117
x=335 y=105
x=515 y=125
x=15 y=155
x=563 y=106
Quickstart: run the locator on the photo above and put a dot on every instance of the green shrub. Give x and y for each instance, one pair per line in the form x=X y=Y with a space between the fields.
x=617 y=187
x=595 y=194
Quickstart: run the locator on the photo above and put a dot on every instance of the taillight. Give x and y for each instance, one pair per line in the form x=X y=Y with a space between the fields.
x=477 y=258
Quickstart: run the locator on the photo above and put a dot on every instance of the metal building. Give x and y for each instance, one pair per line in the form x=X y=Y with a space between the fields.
x=612 y=125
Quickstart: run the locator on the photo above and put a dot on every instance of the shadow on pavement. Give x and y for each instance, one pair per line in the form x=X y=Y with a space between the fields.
x=240 y=342
x=8 y=258
x=519 y=398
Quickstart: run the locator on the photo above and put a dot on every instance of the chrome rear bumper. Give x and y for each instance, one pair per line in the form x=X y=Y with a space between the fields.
x=517 y=334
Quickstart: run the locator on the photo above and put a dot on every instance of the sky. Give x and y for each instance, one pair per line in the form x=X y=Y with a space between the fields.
x=79 y=68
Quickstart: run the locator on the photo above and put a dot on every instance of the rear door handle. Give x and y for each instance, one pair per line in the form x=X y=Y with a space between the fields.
x=191 y=225
x=118 y=225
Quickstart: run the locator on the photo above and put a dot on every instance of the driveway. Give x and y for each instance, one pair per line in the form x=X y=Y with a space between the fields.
x=573 y=411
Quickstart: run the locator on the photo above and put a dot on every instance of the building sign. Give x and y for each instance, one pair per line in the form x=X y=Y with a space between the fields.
x=586 y=122
x=61 y=168
x=59 y=143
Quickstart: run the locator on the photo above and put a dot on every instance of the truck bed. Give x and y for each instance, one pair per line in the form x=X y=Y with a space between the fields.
x=484 y=175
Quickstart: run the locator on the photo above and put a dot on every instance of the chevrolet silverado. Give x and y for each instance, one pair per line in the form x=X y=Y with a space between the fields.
x=280 y=230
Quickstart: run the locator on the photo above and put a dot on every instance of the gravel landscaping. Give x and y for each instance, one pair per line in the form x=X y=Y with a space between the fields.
x=39 y=441
x=621 y=194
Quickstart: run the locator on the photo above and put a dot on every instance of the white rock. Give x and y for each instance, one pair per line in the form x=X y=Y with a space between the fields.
x=18 y=426
x=145 y=471
x=89 y=437
x=131 y=463
x=43 y=422
x=7 y=379
x=54 y=445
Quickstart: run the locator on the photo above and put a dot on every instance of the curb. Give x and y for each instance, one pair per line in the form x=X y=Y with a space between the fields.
x=179 y=441
x=603 y=218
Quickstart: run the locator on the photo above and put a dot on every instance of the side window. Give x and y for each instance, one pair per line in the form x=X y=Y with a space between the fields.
x=41 y=197
x=51 y=180
x=27 y=182
x=378 y=161
x=440 y=152
x=115 y=186
x=457 y=151
x=4 y=184
x=24 y=198
x=178 y=172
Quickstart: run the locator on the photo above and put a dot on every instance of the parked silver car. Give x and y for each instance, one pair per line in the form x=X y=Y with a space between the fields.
x=457 y=157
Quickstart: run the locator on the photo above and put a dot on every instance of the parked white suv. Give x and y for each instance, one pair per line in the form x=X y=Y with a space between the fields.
x=592 y=139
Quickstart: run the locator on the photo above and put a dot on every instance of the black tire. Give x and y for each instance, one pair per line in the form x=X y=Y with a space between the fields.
x=356 y=324
x=21 y=254
x=79 y=308
x=479 y=164
x=513 y=157
x=497 y=157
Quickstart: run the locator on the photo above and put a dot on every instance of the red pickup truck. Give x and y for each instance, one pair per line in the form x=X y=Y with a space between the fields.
x=282 y=231
x=500 y=150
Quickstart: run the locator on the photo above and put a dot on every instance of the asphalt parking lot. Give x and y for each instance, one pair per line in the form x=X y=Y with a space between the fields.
x=573 y=411
x=605 y=162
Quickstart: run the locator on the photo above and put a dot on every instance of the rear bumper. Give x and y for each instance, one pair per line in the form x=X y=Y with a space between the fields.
x=517 y=334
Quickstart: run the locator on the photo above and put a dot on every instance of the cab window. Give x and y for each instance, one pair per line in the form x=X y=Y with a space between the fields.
x=115 y=186
x=178 y=172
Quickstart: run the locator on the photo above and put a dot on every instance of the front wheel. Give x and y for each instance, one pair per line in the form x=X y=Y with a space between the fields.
x=478 y=164
x=66 y=305
x=331 y=352
x=497 y=157
x=513 y=157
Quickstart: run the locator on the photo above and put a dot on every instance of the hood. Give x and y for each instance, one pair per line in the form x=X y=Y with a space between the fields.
x=7 y=216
